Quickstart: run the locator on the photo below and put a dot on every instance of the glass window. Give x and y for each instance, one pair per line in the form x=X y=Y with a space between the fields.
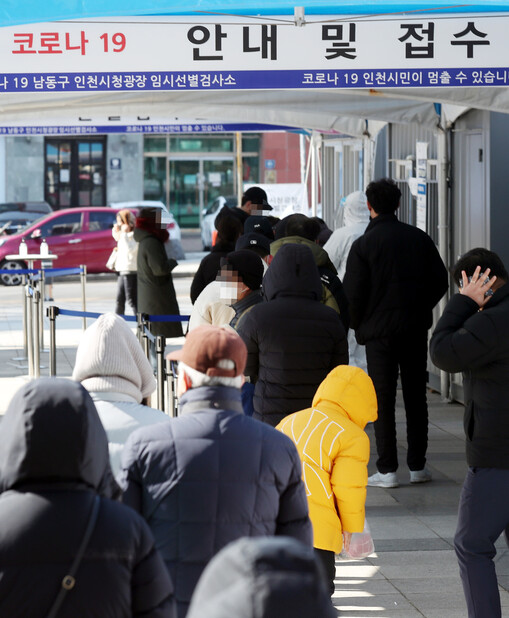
x=154 y=144
x=154 y=179
x=251 y=169
x=66 y=224
x=202 y=143
x=98 y=221
x=251 y=143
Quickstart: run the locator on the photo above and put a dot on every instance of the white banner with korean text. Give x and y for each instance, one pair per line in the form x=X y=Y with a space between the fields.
x=226 y=53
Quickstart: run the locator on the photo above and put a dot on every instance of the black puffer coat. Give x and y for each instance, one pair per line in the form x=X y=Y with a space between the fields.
x=293 y=341
x=394 y=277
x=477 y=343
x=209 y=477
x=209 y=268
x=156 y=294
x=53 y=462
x=273 y=578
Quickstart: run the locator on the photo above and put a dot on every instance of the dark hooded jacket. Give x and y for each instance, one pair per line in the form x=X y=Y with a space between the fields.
x=262 y=578
x=53 y=462
x=333 y=294
x=209 y=268
x=293 y=341
x=156 y=294
x=209 y=477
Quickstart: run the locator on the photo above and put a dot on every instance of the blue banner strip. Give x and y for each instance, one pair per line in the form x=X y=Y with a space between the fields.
x=151 y=81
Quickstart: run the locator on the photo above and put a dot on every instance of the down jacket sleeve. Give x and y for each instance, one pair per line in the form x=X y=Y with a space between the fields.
x=348 y=480
x=356 y=284
x=464 y=338
x=151 y=586
x=249 y=334
x=293 y=519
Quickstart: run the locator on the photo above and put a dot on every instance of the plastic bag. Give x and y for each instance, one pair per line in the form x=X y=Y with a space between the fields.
x=361 y=544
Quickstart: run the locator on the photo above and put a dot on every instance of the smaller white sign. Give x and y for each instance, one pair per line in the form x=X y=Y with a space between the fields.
x=285 y=198
x=421 y=170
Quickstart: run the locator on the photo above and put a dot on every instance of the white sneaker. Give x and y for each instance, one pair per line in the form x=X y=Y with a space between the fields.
x=420 y=476
x=383 y=480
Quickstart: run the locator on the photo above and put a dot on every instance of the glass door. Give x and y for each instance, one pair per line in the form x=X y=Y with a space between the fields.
x=75 y=172
x=194 y=183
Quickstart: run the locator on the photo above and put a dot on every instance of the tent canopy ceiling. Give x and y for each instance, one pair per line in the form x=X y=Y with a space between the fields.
x=326 y=110
x=32 y=11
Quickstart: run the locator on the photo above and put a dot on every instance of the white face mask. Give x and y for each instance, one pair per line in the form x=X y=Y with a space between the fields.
x=228 y=291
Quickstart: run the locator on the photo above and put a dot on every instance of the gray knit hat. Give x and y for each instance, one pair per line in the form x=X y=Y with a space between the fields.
x=110 y=359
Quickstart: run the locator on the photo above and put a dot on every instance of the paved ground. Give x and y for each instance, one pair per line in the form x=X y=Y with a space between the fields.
x=413 y=571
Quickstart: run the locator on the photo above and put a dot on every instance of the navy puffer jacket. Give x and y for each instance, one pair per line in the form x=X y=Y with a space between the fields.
x=209 y=477
x=53 y=462
x=293 y=341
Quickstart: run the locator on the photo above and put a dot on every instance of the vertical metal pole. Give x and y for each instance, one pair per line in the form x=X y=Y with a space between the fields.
x=168 y=400
x=30 y=345
x=41 y=308
x=443 y=231
x=25 y=317
x=240 y=183
x=160 y=345
x=83 y=277
x=315 y=141
x=146 y=342
x=52 y=314
x=37 y=351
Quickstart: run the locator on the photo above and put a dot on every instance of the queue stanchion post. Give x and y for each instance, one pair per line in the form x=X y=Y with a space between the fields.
x=83 y=276
x=30 y=344
x=52 y=313
x=146 y=342
x=41 y=309
x=139 y=327
x=36 y=351
x=160 y=346
x=168 y=400
x=24 y=356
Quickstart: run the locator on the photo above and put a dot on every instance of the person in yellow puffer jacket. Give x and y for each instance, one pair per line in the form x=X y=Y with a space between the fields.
x=334 y=450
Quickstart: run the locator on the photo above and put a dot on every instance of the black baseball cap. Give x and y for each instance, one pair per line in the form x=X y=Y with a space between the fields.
x=259 y=225
x=256 y=195
x=247 y=241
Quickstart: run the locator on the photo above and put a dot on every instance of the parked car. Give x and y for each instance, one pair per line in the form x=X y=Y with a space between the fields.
x=77 y=235
x=14 y=222
x=14 y=216
x=209 y=216
x=38 y=207
x=166 y=217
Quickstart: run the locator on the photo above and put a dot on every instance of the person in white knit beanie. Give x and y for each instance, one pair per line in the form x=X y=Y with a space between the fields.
x=111 y=365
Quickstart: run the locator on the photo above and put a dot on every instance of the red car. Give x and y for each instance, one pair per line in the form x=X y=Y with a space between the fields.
x=77 y=235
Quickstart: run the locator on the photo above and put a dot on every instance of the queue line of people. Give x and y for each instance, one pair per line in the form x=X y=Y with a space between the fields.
x=216 y=487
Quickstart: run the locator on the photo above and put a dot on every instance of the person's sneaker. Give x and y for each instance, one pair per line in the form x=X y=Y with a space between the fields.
x=420 y=476
x=387 y=480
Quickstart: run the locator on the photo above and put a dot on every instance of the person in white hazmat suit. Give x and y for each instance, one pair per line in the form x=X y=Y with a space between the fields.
x=355 y=221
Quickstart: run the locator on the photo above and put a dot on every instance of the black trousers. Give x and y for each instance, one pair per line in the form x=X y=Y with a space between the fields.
x=483 y=516
x=328 y=561
x=407 y=355
x=127 y=288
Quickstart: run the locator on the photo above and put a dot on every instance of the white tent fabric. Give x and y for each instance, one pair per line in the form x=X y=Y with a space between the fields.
x=345 y=111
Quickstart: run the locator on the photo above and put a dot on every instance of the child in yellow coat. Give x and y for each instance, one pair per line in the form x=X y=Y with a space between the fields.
x=334 y=450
